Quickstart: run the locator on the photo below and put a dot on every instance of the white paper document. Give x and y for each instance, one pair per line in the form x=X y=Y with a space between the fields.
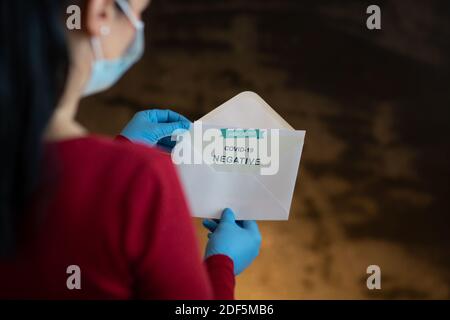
x=243 y=180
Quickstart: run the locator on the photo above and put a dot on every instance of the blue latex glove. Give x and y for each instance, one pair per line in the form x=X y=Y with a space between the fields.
x=239 y=240
x=155 y=126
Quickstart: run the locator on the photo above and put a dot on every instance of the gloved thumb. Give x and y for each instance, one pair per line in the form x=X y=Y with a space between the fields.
x=228 y=216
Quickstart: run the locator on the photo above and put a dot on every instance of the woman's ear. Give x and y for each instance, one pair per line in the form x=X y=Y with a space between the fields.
x=98 y=17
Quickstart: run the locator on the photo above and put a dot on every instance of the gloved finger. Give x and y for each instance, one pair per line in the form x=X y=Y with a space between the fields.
x=228 y=216
x=210 y=225
x=165 y=116
x=250 y=225
x=167 y=129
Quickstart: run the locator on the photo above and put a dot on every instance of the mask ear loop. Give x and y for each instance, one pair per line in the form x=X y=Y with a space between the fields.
x=138 y=24
x=125 y=7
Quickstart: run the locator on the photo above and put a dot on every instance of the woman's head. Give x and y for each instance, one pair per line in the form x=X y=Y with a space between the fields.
x=107 y=20
x=42 y=63
x=109 y=42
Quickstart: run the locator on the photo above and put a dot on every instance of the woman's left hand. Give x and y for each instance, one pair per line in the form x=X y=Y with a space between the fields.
x=155 y=126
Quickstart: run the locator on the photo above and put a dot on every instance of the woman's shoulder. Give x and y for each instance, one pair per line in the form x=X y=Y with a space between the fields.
x=96 y=156
x=117 y=147
x=122 y=149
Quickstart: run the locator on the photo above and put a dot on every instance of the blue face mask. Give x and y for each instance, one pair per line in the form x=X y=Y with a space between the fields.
x=105 y=73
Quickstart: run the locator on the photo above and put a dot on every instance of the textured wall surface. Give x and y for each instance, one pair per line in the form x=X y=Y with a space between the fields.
x=374 y=179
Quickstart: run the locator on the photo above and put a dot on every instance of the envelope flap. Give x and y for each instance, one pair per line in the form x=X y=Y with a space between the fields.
x=246 y=110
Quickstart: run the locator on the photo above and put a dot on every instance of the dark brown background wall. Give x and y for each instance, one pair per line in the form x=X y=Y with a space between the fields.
x=374 y=180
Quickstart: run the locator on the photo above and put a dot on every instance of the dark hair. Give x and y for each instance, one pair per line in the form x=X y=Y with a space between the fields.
x=33 y=69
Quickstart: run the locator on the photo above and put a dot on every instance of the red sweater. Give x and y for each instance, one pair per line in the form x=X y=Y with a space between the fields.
x=116 y=210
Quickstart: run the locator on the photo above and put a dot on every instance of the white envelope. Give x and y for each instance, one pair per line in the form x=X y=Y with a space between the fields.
x=252 y=196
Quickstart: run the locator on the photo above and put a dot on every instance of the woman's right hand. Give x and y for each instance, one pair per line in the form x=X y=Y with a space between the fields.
x=239 y=240
x=155 y=126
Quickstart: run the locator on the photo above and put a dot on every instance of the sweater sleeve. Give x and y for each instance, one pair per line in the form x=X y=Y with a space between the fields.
x=160 y=240
x=122 y=138
x=221 y=274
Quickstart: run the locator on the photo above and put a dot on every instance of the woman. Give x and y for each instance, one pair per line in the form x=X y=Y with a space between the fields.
x=111 y=208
